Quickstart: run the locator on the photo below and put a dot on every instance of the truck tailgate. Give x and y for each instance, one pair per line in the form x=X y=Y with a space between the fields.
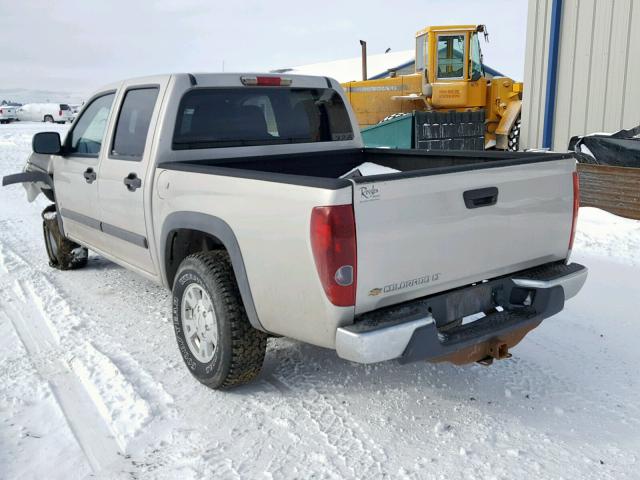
x=423 y=233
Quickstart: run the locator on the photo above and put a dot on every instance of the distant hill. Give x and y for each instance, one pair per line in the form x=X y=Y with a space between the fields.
x=23 y=95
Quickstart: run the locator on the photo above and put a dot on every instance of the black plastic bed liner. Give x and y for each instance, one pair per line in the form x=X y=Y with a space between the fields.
x=323 y=169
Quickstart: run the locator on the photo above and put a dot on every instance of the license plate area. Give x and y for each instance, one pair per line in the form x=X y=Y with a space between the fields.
x=462 y=303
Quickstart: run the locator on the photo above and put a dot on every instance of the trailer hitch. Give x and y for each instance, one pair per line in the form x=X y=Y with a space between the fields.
x=497 y=351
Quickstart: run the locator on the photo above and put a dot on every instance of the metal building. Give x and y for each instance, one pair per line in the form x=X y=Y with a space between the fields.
x=582 y=70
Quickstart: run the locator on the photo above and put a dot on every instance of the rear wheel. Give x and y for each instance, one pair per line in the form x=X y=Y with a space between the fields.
x=514 y=137
x=216 y=340
x=48 y=118
x=63 y=253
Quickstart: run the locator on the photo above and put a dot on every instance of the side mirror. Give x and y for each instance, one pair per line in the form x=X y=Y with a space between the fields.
x=476 y=76
x=47 y=143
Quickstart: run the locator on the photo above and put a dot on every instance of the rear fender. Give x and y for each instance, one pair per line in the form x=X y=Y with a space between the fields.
x=219 y=229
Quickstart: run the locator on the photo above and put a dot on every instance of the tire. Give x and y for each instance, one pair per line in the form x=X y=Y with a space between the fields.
x=233 y=350
x=48 y=118
x=63 y=253
x=514 y=137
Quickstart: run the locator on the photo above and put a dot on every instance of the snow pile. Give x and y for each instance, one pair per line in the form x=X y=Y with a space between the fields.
x=367 y=168
x=606 y=234
x=350 y=69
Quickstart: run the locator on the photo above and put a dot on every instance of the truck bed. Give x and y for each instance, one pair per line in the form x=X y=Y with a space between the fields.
x=445 y=220
x=324 y=169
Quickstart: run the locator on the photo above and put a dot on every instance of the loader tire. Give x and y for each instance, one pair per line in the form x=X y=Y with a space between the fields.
x=63 y=253
x=217 y=343
x=514 y=137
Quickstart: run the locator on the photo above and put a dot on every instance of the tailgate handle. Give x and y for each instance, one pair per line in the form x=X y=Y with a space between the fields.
x=482 y=197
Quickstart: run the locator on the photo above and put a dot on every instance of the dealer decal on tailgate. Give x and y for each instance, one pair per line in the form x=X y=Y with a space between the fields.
x=369 y=194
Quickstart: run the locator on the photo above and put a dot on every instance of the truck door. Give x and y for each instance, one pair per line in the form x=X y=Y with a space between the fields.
x=76 y=172
x=450 y=86
x=124 y=186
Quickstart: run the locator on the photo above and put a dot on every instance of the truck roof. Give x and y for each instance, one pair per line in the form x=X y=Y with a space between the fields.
x=226 y=79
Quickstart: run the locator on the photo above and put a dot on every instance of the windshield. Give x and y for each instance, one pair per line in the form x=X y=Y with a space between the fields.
x=229 y=117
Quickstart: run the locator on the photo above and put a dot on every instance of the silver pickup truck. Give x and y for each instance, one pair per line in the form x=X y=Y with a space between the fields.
x=245 y=194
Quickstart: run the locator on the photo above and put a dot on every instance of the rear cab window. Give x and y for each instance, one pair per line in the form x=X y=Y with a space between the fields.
x=250 y=116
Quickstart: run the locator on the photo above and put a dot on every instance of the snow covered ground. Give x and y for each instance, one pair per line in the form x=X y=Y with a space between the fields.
x=92 y=384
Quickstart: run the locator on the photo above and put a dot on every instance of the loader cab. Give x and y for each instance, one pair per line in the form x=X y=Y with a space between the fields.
x=449 y=59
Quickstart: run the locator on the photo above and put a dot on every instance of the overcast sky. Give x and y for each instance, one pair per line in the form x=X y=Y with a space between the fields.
x=79 y=45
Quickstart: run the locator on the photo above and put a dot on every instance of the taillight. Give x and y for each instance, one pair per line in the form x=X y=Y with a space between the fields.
x=1 y=111
x=59 y=113
x=266 y=81
x=576 y=207
x=333 y=241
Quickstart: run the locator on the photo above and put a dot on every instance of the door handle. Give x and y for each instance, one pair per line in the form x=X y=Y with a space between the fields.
x=132 y=182
x=89 y=175
x=482 y=197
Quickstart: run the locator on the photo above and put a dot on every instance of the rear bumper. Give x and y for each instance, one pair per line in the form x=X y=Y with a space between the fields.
x=422 y=329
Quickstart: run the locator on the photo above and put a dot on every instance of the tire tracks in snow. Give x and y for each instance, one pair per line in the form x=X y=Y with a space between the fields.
x=91 y=388
x=529 y=377
x=351 y=452
x=86 y=424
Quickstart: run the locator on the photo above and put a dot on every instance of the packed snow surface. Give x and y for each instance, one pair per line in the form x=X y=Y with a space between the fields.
x=93 y=386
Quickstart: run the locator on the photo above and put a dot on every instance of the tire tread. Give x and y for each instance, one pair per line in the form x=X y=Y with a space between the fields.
x=248 y=345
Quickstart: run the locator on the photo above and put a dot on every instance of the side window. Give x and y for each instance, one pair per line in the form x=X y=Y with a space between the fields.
x=476 y=58
x=450 y=56
x=133 y=123
x=88 y=131
x=420 y=57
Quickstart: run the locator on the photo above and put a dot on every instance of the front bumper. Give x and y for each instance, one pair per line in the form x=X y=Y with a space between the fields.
x=429 y=328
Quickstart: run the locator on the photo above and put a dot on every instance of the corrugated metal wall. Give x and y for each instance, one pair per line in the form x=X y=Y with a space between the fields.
x=598 y=85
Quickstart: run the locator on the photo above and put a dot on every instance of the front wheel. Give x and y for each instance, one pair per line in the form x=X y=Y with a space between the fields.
x=216 y=340
x=63 y=253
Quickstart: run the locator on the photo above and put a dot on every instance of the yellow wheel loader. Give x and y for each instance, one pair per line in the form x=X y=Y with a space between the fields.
x=449 y=103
